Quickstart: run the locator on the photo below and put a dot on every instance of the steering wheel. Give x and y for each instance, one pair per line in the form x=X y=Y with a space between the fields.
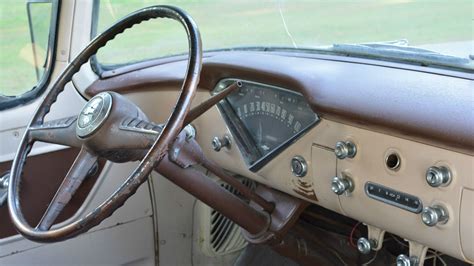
x=108 y=126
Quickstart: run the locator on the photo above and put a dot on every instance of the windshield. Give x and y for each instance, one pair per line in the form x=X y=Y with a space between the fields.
x=444 y=27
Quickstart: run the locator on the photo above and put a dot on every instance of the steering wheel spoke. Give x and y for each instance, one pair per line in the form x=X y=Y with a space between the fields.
x=80 y=169
x=136 y=133
x=60 y=131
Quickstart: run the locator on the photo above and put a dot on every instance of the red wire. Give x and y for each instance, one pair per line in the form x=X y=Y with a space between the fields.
x=351 y=236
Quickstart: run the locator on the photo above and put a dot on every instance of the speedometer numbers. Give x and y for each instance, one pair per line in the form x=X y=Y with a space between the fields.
x=265 y=119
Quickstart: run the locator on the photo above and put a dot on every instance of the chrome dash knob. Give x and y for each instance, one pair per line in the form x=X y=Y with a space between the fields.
x=345 y=149
x=219 y=143
x=365 y=245
x=434 y=215
x=340 y=185
x=404 y=260
x=299 y=167
x=438 y=176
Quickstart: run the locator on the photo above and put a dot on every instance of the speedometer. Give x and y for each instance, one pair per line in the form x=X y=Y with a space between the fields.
x=264 y=119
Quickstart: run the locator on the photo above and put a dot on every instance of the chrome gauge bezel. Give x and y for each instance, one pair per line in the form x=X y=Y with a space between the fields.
x=241 y=134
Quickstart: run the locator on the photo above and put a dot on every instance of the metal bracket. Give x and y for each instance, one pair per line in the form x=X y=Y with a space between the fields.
x=190 y=158
x=376 y=234
x=418 y=251
x=4 y=179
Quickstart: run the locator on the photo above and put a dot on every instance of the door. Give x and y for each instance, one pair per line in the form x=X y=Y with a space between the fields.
x=38 y=39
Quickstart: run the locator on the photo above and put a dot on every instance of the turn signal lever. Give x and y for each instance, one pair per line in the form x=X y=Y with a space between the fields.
x=193 y=155
x=209 y=103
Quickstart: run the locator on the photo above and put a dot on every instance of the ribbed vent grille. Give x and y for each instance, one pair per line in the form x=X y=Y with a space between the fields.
x=225 y=234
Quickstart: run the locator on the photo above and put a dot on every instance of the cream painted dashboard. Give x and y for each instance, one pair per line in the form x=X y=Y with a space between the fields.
x=454 y=238
x=368 y=165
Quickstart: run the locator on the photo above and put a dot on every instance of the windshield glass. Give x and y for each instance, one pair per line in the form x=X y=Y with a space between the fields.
x=443 y=27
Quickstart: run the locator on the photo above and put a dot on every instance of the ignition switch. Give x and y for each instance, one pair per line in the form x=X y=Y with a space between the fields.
x=299 y=167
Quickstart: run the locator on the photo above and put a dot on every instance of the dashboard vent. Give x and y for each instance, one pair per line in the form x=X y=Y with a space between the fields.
x=219 y=235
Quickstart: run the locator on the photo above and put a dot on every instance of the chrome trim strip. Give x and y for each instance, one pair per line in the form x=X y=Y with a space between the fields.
x=393 y=203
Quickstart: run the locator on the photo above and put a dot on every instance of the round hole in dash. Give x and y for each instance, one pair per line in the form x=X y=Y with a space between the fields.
x=393 y=161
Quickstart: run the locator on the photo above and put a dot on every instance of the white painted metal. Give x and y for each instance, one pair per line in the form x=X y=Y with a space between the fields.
x=118 y=245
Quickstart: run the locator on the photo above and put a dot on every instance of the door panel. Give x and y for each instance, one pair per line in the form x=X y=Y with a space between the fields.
x=127 y=236
x=41 y=178
x=119 y=245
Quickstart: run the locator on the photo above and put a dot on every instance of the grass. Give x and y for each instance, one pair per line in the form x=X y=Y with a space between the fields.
x=226 y=24
x=17 y=66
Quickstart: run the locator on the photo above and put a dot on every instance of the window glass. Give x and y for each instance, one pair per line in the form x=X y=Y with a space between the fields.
x=442 y=29
x=150 y=39
x=24 y=34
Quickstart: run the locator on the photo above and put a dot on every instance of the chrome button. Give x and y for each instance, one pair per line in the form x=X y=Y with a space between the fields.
x=434 y=215
x=438 y=176
x=218 y=143
x=340 y=185
x=345 y=149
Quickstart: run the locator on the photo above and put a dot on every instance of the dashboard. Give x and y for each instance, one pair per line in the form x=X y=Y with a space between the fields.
x=384 y=184
x=373 y=139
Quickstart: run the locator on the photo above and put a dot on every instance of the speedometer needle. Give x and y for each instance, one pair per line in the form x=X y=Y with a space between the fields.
x=259 y=133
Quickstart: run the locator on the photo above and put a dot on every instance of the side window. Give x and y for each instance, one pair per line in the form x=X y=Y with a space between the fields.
x=27 y=38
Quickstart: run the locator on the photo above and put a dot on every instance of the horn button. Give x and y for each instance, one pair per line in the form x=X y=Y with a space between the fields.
x=94 y=114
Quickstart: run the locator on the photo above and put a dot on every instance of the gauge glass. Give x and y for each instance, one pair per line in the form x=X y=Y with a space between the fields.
x=267 y=117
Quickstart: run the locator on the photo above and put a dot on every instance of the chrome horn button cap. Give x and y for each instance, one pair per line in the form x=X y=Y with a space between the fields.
x=94 y=114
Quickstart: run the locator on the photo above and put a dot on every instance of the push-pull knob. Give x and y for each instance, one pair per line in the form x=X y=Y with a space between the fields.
x=299 y=167
x=345 y=149
x=438 y=176
x=434 y=215
x=219 y=143
x=365 y=245
x=404 y=260
x=340 y=185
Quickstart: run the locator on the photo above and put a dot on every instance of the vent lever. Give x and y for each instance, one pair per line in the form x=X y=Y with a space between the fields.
x=243 y=189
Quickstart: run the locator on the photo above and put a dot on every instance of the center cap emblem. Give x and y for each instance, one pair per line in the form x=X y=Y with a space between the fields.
x=93 y=114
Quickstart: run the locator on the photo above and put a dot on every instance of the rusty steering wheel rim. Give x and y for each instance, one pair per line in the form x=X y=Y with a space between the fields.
x=154 y=155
